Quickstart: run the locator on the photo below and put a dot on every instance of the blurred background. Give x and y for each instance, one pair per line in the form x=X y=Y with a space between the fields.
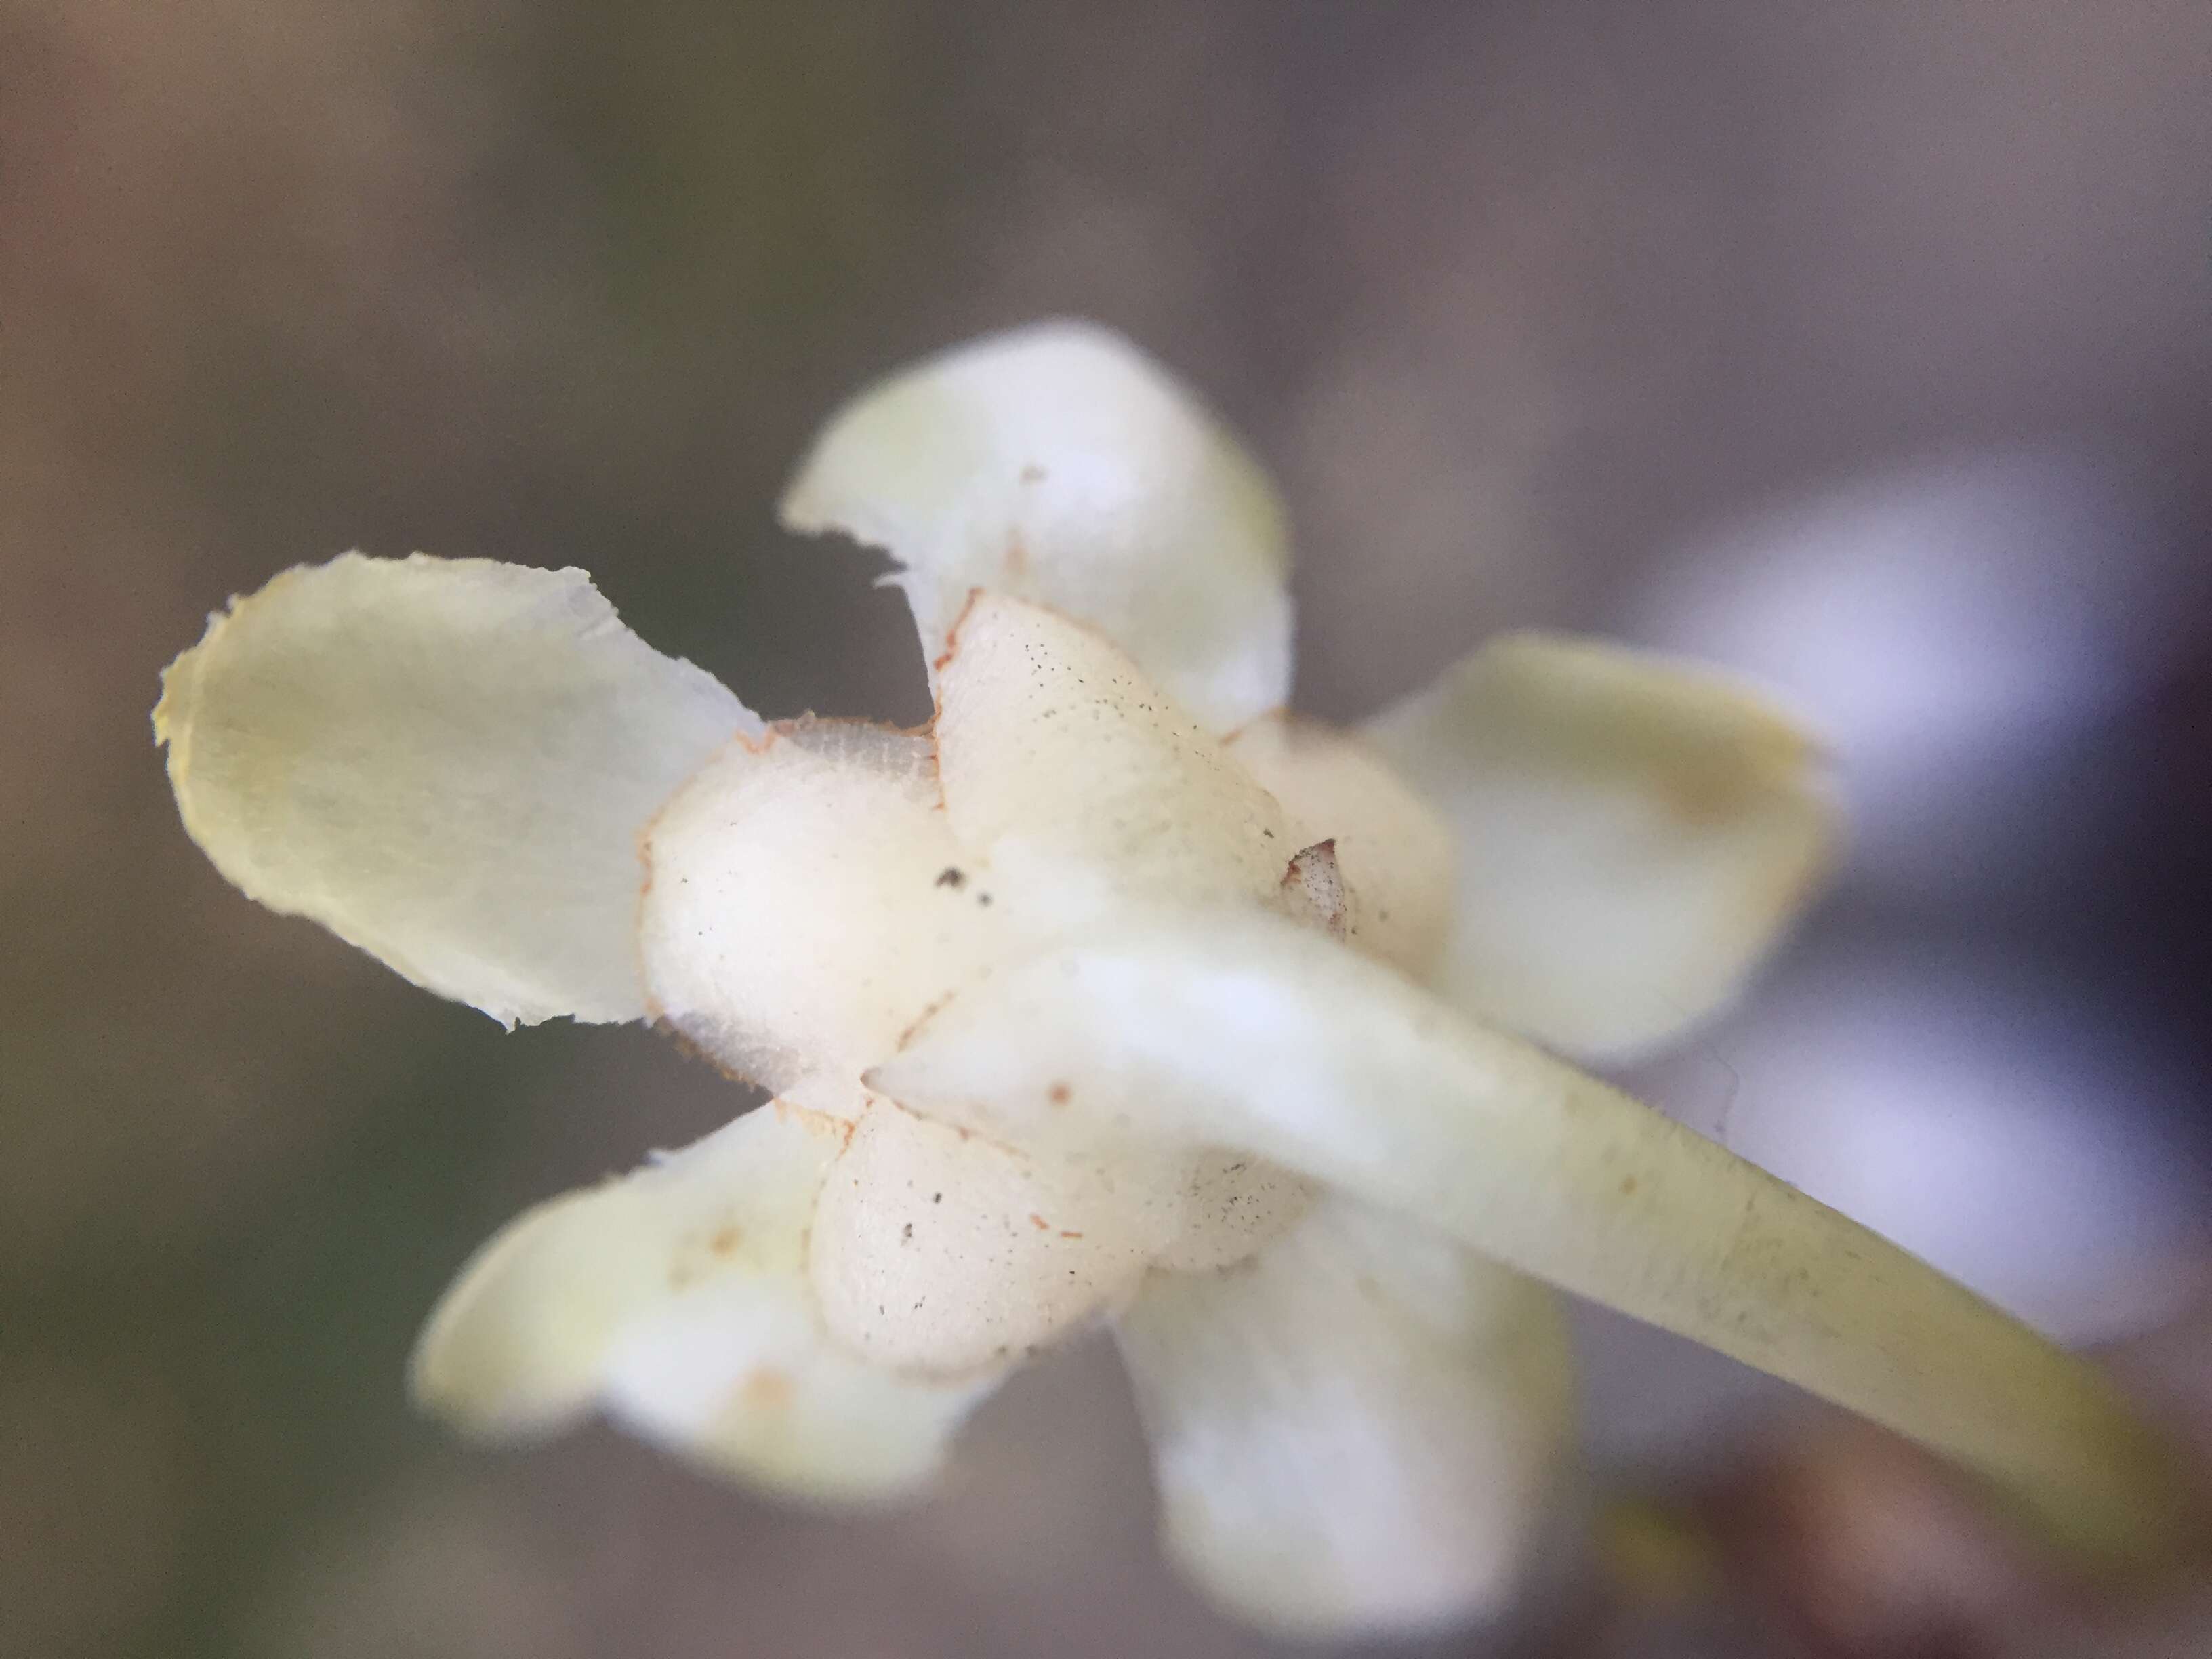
x=1863 y=347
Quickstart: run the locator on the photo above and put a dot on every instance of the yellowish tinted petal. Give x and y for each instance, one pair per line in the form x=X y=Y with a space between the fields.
x=1356 y=1433
x=1059 y=464
x=1633 y=834
x=1242 y=1029
x=808 y=902
x=1395 y=854
x=1083 y=783
x=675 y=1299
x=446 y=763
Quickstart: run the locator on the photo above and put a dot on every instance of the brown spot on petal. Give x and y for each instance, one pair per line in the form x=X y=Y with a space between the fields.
x=1058 y=1094
x=725 y=1241
x=826 y=1124
x=1627 y=1185
x=1039 y=1223
x=767 y=1391
x=906 y=1038
x=1315 y=886
x=952 y=645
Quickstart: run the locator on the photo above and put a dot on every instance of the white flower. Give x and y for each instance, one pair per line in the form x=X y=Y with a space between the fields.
x=1115 y=994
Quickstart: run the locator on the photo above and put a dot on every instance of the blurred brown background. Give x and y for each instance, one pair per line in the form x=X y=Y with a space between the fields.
x=1862 y=345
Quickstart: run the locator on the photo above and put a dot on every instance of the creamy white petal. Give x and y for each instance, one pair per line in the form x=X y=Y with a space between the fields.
x=1083 y=783
x=1633 y=834
x=1229 y=1207
x=941 y=1252
x=938 y=1251
x=675 y=1299
x=1059 y=462
x=808 y=902
x=1357 y=1433
x=1396 y=855
x=446 y=763
x=1242 y=1029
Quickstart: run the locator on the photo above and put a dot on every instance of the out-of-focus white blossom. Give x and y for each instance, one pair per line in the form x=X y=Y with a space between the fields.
x=1116 y=993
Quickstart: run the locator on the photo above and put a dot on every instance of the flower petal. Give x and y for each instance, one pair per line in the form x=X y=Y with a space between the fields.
x=1356 y=1434
x=1633 y=835
x=808 y=901
x=1396 y=855
x=1059 y=464
x=1082 y=782
x=676 y=1299
x=1242 y=1029
x=938 y=1251
x=444 y=762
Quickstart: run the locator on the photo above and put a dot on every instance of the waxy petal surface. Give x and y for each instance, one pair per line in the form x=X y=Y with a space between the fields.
x=1059 y=462
x=808 y=903
x=1356 y=1433
x=675 y=1299
x=1083 y=783
x=940 y=1252
x=447 y=762
x=1633 y=835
